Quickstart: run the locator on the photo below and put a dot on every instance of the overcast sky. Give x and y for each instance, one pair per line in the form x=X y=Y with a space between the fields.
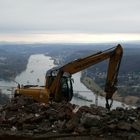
x=69 y=16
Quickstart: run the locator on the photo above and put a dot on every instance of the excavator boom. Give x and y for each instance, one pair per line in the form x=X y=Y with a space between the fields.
x=113 y=54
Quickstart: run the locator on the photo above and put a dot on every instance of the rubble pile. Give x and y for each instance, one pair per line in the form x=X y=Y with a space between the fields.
x=23 y=116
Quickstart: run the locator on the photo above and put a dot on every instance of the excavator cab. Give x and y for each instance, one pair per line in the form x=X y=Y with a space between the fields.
x=66 y=83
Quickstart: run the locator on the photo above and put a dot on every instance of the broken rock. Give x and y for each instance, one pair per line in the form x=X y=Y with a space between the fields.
x=89 y=120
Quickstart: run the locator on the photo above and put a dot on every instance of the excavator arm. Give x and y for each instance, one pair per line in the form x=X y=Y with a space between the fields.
x=114 y=55
x=112 y=74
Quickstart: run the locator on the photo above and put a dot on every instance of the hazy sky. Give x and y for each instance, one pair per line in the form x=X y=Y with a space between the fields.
x=69 y=17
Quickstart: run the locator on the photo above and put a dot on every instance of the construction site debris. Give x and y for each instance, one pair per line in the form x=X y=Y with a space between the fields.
x=22 y=116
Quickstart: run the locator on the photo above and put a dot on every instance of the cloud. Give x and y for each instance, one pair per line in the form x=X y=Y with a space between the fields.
x=70 y=38
x=81 y=16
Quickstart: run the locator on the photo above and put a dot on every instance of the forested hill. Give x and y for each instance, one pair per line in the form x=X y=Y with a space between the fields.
x=14 y=57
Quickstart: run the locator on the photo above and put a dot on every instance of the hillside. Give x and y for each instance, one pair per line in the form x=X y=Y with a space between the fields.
x=23 y=119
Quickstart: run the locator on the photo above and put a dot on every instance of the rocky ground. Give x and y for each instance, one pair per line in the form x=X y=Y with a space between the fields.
x=23 y=118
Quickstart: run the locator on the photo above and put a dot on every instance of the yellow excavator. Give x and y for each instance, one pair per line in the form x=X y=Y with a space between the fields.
x=58 y=83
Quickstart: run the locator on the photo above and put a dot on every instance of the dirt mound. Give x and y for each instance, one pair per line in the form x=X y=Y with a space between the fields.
x=23 y=117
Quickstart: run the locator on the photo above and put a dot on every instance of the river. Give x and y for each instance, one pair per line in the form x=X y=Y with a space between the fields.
x=35 y=74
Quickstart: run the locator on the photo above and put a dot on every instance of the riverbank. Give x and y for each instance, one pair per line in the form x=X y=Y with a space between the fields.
x=90 y=84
